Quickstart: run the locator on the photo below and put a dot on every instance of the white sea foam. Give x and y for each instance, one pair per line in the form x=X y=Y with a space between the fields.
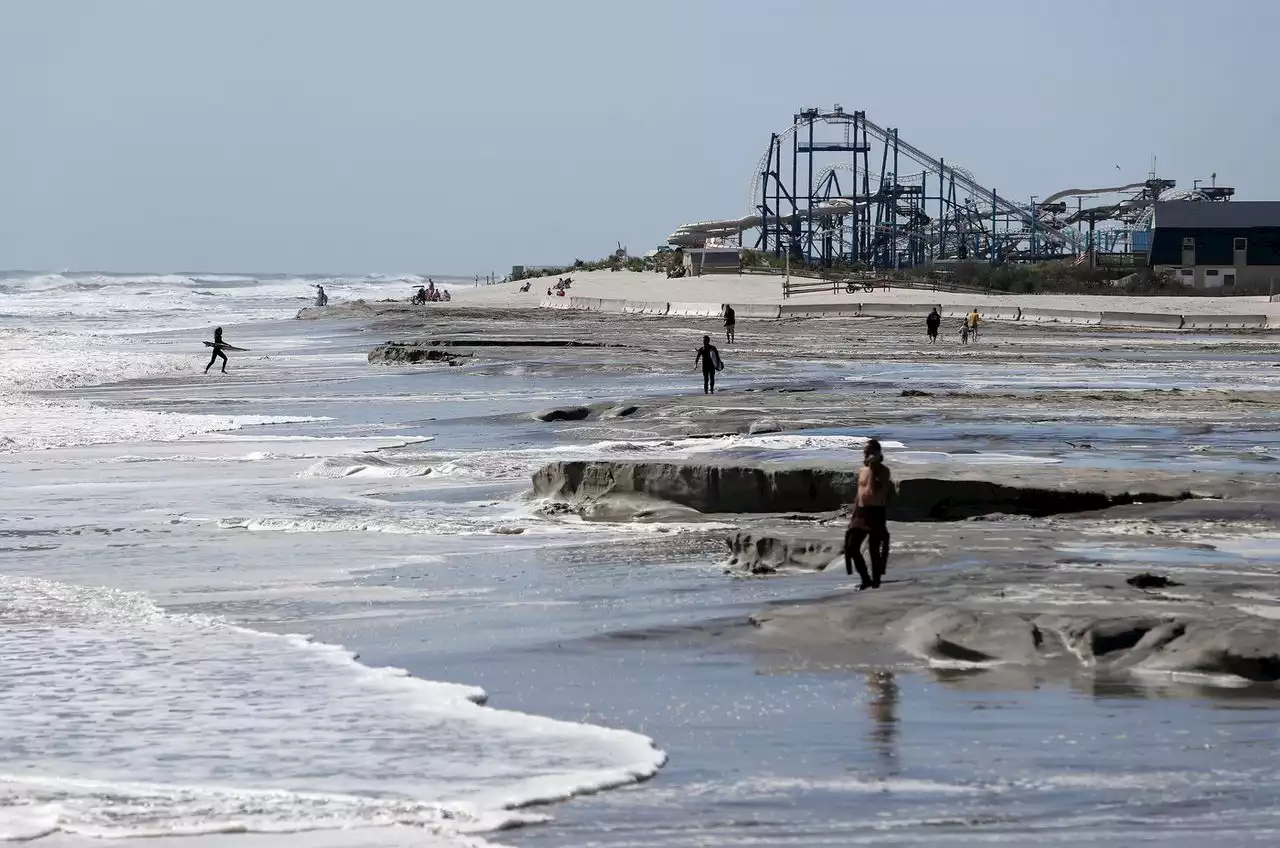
x=30 y=425
x=122 y=720
x=365 y=466
x=45 y=362
x=42 y=361
x=164 y=299
x=458 y=524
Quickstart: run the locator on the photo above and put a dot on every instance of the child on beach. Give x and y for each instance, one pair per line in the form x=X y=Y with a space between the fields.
x=964 y=333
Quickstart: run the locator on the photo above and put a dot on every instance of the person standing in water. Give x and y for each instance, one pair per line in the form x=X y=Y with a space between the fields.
x=218 y=346
x=730 y=319
x=709 y=357
x=869 y=521
x=973 y=324
x=931 y=325
x=322 y=299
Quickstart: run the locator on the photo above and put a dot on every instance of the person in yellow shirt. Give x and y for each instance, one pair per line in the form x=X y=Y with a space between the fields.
x=973 y=323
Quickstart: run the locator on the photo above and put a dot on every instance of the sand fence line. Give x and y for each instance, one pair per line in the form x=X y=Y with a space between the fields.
x=769 y=311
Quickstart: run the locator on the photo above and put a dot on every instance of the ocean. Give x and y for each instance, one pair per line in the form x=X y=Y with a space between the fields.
x=311 y=602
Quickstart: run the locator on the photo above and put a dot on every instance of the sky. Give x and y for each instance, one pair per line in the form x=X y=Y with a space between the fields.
x=402 y=136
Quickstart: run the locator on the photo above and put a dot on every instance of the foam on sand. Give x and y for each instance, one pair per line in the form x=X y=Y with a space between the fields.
x=365 y=466
x=33 y=424
x=120 y=719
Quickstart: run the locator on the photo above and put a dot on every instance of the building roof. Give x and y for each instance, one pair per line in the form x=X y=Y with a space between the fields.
x=1236 y=214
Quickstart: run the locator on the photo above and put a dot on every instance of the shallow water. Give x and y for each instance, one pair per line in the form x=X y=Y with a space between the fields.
x=389 y=518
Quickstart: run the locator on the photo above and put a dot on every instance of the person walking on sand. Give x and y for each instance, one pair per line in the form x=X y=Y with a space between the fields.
x=730 y=318
x=931 y=325
x=709 y=357
x=973 y=323
x=868 y=521
x=218 y=346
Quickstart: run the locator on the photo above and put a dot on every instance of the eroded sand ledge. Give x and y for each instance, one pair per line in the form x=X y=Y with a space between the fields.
x=926 y=495
x=1027 y=608
x=978 y=578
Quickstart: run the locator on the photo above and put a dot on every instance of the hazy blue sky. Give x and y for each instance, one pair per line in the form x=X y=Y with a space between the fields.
x=464 y=136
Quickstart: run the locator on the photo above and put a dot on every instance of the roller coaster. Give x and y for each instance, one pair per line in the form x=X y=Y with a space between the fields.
x=837 y=205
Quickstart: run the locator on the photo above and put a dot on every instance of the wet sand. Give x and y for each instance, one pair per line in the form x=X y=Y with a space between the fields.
x=794 y=709
x=1049 y=409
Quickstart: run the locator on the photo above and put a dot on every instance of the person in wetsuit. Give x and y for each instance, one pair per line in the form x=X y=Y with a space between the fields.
x=730 y=319
x=709 y=356
x=868 y=522
x=931 y=325
x=218 y=345
x=322 y=299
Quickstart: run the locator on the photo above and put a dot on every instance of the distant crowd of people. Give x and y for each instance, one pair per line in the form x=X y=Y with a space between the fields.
x=430 y=294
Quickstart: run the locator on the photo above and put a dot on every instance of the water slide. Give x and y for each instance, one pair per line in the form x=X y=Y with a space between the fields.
x=1077 y=192
x=696 y=234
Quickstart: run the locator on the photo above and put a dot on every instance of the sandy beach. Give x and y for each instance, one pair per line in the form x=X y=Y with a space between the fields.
x=751 y=288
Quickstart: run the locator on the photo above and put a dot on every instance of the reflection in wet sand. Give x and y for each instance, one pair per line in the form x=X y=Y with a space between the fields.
x=883 y=712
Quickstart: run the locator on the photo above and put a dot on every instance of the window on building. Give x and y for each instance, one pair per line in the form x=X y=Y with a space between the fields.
x=1212 y=272
x=1241 y=244
x=1186 y=272
x=1188 y=243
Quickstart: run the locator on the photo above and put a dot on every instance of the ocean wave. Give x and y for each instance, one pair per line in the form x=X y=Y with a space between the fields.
x=170 y=300
x=34 y=425
x=147 y=708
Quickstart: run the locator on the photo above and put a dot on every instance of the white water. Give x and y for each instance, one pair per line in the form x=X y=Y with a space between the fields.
x=121 y=719
x=60 y=331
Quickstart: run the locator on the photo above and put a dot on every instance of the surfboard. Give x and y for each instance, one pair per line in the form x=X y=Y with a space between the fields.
x=715 y=352
x=227 y=347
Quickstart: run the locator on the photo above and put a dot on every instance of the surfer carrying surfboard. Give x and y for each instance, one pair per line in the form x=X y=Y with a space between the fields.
x=709 y=356
x=219 y=346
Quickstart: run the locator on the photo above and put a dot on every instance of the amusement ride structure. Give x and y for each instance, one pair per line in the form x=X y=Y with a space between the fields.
x=837 y=189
